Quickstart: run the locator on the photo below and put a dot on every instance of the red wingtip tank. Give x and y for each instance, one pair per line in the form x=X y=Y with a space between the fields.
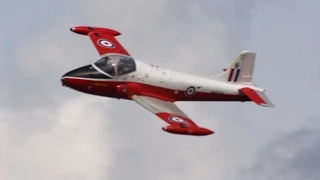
x=85 y=30
x=195 y=131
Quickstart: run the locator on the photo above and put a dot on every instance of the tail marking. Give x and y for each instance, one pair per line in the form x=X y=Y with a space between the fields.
x=237 y=75
x=234 y=77
x=231 y=74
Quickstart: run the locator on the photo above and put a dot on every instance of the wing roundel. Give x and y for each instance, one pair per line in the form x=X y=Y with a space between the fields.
x=103 y=39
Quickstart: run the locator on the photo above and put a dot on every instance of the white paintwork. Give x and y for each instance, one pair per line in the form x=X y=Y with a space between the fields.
x=160 y=77
x=156 y=76
x=164 y=78
x=156 y=105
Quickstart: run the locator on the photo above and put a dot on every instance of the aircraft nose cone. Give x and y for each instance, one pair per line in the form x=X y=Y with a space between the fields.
x=70 y=74
x=63 y=79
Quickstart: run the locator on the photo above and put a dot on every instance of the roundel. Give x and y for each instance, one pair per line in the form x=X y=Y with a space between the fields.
x=190 y=91
x=105 y=43
x=176 y=119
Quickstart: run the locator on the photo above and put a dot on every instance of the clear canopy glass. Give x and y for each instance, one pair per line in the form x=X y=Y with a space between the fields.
x=116 y=65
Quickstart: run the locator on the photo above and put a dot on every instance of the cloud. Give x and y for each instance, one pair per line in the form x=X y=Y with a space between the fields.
x=53 y=132
x=48 y=131
x=293 y=156
x=73 y=147
x=167 y=34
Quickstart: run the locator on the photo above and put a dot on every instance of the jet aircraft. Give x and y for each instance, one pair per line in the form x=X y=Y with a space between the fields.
x=117 y=74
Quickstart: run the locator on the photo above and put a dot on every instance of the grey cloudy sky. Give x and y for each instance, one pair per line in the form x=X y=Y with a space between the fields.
x=51 y=132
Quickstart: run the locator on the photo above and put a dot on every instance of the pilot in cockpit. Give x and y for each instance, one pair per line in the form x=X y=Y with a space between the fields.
x=125 y=66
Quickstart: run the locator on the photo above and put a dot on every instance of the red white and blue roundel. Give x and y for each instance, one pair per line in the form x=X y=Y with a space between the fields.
x=176 y=119
x=190 y=91
x=105 y=43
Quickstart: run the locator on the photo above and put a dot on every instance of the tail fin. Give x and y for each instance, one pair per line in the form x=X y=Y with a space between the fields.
x=241 y=70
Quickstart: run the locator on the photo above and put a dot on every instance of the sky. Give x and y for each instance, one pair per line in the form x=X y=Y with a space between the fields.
x=51 y=132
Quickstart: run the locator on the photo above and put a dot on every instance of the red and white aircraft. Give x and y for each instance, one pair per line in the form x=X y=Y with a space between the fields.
x=118 y=75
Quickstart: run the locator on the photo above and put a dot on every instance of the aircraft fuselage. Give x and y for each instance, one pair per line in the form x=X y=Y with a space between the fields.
x=155 y=82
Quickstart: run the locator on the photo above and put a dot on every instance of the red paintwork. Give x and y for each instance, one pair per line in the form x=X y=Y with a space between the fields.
x=85 y=30
x=118 y=48
x=97 y=33
x=196 y=131
x=187 y=127
x=115 y=90
x=253 y=95
x=165 y=116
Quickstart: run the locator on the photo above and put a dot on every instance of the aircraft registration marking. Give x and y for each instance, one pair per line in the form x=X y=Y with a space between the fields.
x=216 y=92
x=100 y=84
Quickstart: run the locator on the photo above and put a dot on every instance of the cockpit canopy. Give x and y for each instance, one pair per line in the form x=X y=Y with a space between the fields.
x=116 y=65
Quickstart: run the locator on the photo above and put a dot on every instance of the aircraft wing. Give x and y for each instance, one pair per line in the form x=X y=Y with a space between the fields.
x=104 y=39
x=179 y=122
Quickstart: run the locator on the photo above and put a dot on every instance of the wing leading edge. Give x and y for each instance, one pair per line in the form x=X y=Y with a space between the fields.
x=179 y=123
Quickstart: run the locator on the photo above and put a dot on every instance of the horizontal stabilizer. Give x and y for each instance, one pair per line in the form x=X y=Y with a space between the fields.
x=258 y=97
